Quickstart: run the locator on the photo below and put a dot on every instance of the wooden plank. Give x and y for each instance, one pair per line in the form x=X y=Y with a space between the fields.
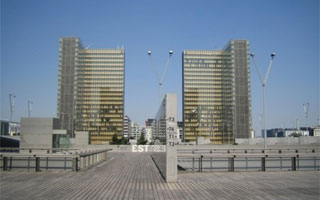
x=134 y=176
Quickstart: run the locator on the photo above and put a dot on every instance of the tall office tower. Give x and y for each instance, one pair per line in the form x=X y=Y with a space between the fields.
x=216 y=93
x=68 y=53
x=94 y=100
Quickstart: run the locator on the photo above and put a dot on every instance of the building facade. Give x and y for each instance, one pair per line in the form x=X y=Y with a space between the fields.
x=165 y=124
x=136 y=131
x=91 y=90
x=216 y=93
x=126 y=127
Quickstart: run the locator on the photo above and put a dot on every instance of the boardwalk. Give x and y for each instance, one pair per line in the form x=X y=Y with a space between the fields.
x=134 y=176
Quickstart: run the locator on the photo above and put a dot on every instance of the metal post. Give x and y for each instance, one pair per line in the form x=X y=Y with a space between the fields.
x=201 y=161
x=264 y=117
x=293 y=164
x=192 y=164
x=11 y=98
x=5 y=163
x=47 y=163
x=246 y=163
x=263 y=83
x=29 y=108
x=231 y=164
x=210 y=164
x=280 y=163
x=65 y=163
x=28 y=163
x=263 y=164
x=37 y=164
x=10 y=163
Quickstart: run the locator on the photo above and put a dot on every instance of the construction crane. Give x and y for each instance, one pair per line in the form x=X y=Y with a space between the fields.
x=159 y=78
x=306 y=112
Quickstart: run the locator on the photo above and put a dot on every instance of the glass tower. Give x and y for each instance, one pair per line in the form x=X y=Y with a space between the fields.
x=98 y=91
x=216 y=93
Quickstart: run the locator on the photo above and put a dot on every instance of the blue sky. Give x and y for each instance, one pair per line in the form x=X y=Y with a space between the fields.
x=30 y=31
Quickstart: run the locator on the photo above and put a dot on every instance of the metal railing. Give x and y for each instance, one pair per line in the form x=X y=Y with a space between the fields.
x=249 y=159
x=74 y=161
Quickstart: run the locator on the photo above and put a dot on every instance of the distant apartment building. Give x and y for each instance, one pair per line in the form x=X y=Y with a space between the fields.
x=180 y=129
x=165 y=125
x=91 y=90
x=216 y=93
x=136 y=131
x=126 y=127
x=148 y=133
x=149 y=125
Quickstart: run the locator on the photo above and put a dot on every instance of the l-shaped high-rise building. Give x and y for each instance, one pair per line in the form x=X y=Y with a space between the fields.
x=216 y=93
x=91 y=90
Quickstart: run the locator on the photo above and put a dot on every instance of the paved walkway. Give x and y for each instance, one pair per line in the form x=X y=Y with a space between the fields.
x=134 y=176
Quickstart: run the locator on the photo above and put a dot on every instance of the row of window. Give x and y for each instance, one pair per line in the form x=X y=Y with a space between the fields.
x=102 y=72
x=84 y=124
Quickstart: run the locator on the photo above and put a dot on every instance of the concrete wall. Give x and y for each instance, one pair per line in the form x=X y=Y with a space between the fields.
x=285 y=141
x=171 y=164
x=166 y=162
x=37 y=132
x=137 y=148
x=81 y=140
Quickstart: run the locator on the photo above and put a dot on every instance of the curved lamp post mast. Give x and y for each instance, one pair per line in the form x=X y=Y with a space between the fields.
x=159 y=78
x=263 y=83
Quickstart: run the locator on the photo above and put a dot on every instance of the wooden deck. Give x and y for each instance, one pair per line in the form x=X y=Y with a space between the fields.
x=134 y=176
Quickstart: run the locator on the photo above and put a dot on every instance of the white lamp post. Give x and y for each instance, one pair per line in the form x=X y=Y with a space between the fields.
x=263 y=83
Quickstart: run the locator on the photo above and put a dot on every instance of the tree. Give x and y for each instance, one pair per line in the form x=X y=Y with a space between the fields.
x=142 y=140
x=124 y=141
x=114 y=139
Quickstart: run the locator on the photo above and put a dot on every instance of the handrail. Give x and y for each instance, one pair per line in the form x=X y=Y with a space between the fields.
x=95 y=152
x=78 y=161
x=40 y=148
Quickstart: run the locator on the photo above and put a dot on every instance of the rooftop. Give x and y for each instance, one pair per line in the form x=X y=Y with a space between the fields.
x=135 y=176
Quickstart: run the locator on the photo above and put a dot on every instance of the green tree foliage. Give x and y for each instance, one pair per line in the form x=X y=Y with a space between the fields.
x=142 y=140
x=115 y=140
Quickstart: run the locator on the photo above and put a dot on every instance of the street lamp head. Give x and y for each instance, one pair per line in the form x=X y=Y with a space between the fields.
x=252 y=55
x=273 y=55
x=149 y=53
x=170 y=52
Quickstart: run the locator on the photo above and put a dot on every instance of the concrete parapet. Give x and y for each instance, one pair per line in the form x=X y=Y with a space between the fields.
x=166 y=162
x=303 y=140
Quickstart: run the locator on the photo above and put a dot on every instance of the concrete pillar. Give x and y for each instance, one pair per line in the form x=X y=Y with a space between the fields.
x=75 y=164
x=171 y=164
